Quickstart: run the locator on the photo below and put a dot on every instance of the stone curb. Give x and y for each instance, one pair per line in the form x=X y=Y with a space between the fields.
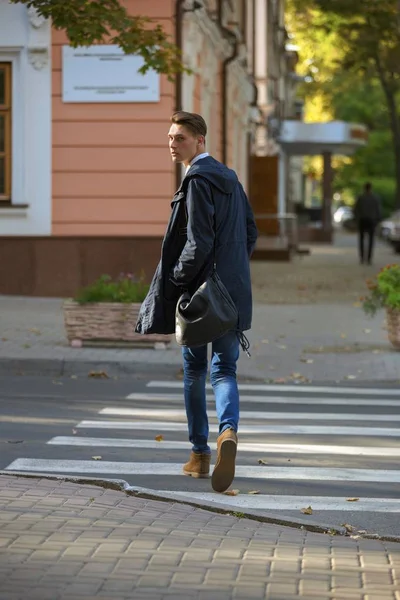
x=60 y=367
x=273 y=519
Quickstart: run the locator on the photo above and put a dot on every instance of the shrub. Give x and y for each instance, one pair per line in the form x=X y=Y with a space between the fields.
x=125 y=289
x=384 y=290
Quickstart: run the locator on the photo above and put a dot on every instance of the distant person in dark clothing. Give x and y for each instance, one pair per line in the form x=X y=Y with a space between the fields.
x=368 y=213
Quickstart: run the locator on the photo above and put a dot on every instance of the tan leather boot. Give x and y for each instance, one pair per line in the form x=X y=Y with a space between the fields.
x=224 y=470
x=198 y=465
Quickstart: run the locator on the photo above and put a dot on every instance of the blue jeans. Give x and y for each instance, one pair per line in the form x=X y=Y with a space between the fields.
x=225 y=353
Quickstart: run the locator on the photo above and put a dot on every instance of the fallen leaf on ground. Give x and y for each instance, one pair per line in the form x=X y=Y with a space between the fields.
x=96 y=457
x=35 y=331
x=261 y=461
x=265 y=341
x=343 y=335
x=98 y=375
x=307 y=511
x=351 y=377
x=254 y=492
x=26 y=346
x=348 y=527
x=296 y=375
x=352 y=499
x=159 y=438
x=357 y=304
x=376 y=351
x=280 y=380
x=367 y=331
x=231 y=492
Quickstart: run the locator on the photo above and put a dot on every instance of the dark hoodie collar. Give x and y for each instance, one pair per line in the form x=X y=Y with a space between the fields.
x=214 y=172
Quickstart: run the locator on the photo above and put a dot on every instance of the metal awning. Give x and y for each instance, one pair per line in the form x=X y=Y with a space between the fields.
x=336 y=137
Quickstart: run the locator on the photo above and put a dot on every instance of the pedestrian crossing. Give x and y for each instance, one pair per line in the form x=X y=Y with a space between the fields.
x=298 y=446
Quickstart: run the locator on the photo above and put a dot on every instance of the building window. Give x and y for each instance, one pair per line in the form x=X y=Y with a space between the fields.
x=5 y=132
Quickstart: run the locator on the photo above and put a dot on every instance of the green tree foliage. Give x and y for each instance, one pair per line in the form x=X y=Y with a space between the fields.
x=87 y=22
x=357 y=72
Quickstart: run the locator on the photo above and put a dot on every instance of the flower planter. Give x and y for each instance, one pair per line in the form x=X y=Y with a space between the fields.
x=106 y=324
x=393 y=326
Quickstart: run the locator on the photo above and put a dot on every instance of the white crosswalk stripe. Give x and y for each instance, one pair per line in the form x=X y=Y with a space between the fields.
x=244 y=446
x=264 y=399
x=298 y=389
x=357 y=427
x=167 y=413
x=244 y=472
x=248 y=429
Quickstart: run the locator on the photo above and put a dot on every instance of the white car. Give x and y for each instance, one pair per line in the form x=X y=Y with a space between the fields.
x=342 y=214
x=390 y=229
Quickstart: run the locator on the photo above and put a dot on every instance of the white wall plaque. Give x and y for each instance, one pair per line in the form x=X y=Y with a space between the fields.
x=104 y=73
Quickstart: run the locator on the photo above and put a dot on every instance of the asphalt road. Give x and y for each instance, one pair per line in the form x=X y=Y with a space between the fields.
x=320 y=446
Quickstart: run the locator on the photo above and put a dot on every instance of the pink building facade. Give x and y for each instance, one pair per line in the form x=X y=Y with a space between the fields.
x=85 y=187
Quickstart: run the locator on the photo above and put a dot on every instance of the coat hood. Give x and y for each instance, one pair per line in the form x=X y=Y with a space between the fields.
x=224 y=179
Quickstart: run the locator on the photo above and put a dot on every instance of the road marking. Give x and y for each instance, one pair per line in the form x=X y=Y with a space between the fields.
x=158 y=426
x=318 y=503
x=300 y=389
x=170 y=413
x=318 y=401
x=243 y=446
x=246 y=472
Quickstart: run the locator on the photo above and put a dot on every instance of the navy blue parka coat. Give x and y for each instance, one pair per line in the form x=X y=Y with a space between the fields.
x=210 y=195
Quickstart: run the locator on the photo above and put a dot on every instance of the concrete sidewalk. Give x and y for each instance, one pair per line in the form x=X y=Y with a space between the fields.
x=68 y=541
x=307 y=326
x=318 y=343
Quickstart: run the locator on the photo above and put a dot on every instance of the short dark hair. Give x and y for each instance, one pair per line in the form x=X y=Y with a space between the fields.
x=368 y=187
x=192 y=121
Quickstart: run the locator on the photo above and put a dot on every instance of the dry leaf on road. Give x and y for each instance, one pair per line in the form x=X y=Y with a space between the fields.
x=367 y=331
x=98 y=375
x=343 y=336
x=159 y=438
x=352 y=499
x=96 y=457
x=254 y=492
x=351 y=377
x=231 y=492
x=261 y=461
x=307 y=511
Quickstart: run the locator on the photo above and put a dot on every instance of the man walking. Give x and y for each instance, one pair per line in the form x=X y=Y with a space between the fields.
x=209 y=205
x=367 y=212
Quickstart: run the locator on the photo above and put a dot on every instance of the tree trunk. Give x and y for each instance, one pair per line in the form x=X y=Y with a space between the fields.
x=395 y=126
x=394 y=123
